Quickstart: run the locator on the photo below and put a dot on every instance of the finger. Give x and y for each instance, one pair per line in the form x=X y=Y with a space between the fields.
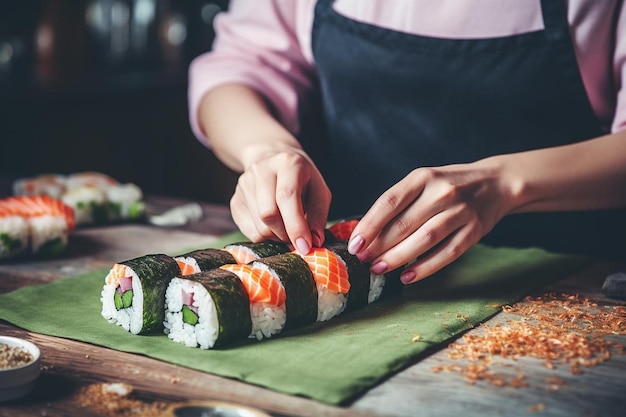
x=243 y=219
x=289 y=194
x=391 y=203
x=426 y=237
x=316 y=203
x=449 y=251
x=269 y=215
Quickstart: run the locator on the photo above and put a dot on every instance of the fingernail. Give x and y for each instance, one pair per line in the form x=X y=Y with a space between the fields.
x=302 y=246
x=379 y=268
x=317 y=239
x=355 y=244
x=407 y=277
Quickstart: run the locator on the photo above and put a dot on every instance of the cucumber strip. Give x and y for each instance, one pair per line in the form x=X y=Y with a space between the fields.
x=189 y=316
x=127 y=298
x=117 y=300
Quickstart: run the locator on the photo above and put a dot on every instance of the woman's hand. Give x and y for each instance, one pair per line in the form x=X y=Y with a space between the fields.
x=283 y=196
x=433 y=213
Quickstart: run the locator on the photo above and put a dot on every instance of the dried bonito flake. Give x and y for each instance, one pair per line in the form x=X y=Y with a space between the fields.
x=557 y=328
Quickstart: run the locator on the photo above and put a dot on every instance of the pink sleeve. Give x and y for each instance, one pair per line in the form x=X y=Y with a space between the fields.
x=258 y=44
x=619 y=65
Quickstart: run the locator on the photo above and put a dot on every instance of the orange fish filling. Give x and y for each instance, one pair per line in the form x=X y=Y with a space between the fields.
x=343 y=230
x=261 y=285
x=328 y=269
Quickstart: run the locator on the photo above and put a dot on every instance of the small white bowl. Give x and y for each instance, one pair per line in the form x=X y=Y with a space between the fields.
x=18 y=381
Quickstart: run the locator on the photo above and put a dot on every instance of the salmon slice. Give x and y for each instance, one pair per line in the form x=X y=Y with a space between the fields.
x=117 y=272
x=38 y=205
x=328 y=269
x=261 y=285
x=343 y=230
x=241 y=254
x=185 y=268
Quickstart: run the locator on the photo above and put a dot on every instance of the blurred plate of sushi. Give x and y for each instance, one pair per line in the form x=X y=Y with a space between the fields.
x=96 y=198
x=37 y=225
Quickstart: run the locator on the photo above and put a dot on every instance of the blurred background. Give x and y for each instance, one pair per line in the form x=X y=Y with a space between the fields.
x=101 y=85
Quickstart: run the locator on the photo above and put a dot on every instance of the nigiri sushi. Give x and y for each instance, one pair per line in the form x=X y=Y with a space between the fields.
x=49 y=223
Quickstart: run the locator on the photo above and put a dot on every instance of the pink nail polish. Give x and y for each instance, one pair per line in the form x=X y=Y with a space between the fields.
x=302 y=246
x=355 y=244
x=407 y=277
x=379 y=268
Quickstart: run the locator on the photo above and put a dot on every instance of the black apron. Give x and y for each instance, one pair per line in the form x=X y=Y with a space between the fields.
x=393 y=102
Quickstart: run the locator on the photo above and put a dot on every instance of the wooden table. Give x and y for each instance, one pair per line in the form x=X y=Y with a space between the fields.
x=68 y=366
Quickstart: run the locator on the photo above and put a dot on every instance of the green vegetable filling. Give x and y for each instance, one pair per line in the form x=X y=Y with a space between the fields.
x=189 y=316
x=52 y=247
x=123 y=301
x=9 y=243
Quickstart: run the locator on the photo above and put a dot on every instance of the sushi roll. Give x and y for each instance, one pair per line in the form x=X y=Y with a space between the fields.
x=49 y=222
x=124 y=202
x=133 y=295
x=358 y=274
x=330 y=273
x=14 y=234
x=246 y=252
x=342 y=230
x=266 y=296
x=48 y=184
x=300 y=288
x=89 y=204
x=207 y=309
x=203 y=260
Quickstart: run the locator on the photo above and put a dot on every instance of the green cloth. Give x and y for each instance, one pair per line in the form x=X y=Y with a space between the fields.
x=331 y=361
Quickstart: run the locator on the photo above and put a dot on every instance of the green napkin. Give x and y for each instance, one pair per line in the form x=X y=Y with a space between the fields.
x=331 y=361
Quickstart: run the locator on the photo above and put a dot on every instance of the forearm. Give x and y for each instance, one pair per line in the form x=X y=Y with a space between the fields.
x=240 y=126
x=589 y=175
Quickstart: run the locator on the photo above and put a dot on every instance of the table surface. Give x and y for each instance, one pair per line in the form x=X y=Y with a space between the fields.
x=69 y=366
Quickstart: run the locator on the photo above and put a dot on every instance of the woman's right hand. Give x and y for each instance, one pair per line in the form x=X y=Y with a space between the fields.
x=282 y=196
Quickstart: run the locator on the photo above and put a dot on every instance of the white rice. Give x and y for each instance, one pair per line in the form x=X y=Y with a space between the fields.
x=130 y=318
x=45 y=228
x=85 y=200
x=206 y=331
x=189 y=261
x=16 y=231
x=329 y=303
x=267 y=320
x=377 y=282
x=127 y=200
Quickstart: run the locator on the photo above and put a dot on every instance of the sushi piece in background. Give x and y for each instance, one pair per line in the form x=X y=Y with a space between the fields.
x=49 y=223
x=330 y=273
x=89 y=204
x=48 y=184
x=300 y=288
x=207 y=309
x=342 y=230
x=133 y=295
x=203 y=260
x=124 y=202
x=96 y=197
x=266 y=296
x=14 y=235
x=246 y=252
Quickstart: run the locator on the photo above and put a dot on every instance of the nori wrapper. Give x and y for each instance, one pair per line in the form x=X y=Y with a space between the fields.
x=211 y=258
x=358 y=275
x=231 y=303
x=300 y=287
x=264 y=249
x=155 y=273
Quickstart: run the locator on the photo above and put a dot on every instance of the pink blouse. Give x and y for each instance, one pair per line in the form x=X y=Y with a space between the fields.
x=266 y=44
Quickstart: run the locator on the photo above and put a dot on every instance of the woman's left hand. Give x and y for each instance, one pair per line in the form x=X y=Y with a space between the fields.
x=442 y=211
